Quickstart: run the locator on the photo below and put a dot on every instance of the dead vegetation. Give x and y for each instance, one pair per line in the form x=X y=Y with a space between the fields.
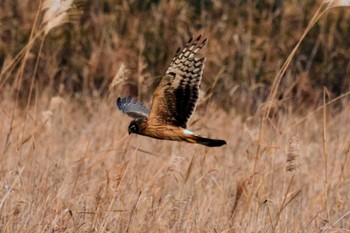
x=68 y=165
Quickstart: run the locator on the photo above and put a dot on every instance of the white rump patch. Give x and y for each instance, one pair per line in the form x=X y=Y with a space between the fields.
x=186 y=131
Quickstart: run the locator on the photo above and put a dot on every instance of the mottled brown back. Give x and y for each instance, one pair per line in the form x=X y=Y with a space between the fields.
x=176 y=96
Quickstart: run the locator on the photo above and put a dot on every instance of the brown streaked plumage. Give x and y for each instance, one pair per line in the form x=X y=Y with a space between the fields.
x=173 y=101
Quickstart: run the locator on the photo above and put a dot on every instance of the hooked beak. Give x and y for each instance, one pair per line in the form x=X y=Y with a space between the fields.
x=129 y=131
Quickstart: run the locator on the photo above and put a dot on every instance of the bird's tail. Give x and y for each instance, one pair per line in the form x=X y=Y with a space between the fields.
x=207 y=141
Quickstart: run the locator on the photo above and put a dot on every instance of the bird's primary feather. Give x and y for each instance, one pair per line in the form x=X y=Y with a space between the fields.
x=132 y=108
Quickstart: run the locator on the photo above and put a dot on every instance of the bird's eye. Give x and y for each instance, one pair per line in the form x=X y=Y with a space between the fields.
x=134 y=128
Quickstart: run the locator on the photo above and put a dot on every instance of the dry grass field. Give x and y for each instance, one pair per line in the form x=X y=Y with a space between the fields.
x=67 y=163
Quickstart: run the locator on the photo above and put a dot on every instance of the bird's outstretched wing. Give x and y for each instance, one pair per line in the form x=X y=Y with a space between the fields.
x=132 y=108
x=176 y=95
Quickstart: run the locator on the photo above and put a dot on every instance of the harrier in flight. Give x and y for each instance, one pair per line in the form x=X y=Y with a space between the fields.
x=173 y=101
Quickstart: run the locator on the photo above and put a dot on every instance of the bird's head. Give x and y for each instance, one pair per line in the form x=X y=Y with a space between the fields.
x=134 y=126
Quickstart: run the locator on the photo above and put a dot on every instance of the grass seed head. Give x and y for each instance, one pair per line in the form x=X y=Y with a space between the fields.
x=120 y=76
x=56 y=13
x=293 y=153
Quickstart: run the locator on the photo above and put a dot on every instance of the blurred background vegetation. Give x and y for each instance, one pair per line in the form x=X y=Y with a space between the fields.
x=248 y=43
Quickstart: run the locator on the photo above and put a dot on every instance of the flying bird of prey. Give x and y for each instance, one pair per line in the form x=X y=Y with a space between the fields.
x=173 y=101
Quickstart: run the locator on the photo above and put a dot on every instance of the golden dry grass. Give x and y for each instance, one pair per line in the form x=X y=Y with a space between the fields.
x=68 y=165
